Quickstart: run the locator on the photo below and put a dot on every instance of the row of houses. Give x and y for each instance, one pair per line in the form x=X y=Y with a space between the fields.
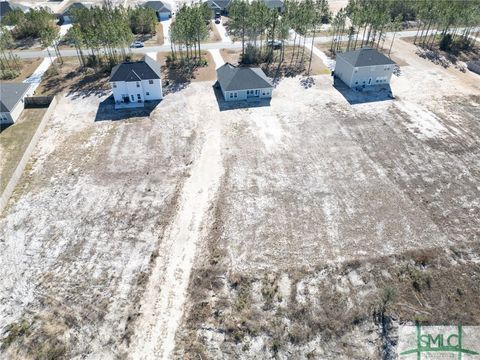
x=163 y=10
x=133 y=83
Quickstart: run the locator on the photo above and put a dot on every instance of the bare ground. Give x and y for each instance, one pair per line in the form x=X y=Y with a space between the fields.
x=304 y=229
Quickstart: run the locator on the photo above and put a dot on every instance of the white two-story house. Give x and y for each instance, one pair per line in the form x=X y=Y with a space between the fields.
x=134 y=83
x=364 y=67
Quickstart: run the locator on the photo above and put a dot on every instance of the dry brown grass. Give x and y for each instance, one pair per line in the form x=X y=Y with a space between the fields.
x=27 y=68
x=289 y=67
x=183 y=75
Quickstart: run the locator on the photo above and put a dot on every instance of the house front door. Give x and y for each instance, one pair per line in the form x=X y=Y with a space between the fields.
x=370 y=81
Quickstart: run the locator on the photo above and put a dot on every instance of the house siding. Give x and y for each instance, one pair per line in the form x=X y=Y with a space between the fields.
x=144 y=92
x=12 y=116
x=363 y=76
x=343 y=70
x=242 y=94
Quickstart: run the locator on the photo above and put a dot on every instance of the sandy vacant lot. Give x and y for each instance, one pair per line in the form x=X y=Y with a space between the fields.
x=278 y=230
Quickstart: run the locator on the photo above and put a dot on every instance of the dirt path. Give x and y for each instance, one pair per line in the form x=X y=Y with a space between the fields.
x=162 y=306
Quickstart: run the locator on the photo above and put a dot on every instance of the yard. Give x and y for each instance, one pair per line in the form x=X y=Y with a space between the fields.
x=27 y=68
x=14 y=140
x=183 y=75
x=156 y=39
x=69 y=77
x=288 y=67
x=304 y=229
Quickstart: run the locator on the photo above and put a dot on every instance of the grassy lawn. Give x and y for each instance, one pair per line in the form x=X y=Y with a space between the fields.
x=14 y=140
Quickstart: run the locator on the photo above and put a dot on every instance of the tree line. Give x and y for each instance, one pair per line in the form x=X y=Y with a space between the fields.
x=260 y=28
x=29 y=24
x=100 y=34
x=366 y=22
x=189 y=29
x=9 y=64
x=454 y=23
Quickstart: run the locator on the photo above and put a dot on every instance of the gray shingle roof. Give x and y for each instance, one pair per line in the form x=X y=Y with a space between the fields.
x=232 y=78
x=274 y=4
x=219 y=4
x=147 y=69
x=10 y=95
x=365 y=57
x=158 y=6
x=74 y=6
x=6 y=7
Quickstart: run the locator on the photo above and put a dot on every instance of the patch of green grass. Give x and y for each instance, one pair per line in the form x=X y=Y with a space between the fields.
x=14 y=141
x=15 y=331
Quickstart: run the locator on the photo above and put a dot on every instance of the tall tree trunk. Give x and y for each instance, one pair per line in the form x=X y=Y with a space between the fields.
x=311 y=50
x=416 y=35
x=293 y=51
x=356 y=38
x=363 y=36
x=391 y=44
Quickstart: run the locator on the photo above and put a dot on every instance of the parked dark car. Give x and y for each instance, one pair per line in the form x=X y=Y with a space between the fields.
x=275 y=44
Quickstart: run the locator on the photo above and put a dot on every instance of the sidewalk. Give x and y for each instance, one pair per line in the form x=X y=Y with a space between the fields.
x=223 y=32
x=36 y=78
x=217 y=57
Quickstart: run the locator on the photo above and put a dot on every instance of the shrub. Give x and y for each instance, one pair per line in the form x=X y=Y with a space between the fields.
x=446 y=43
x=9 y=74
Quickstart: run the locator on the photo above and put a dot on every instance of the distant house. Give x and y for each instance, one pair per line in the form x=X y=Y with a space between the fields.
x=241 y=83
x=219 y=6
x=7 y=6
x=66 y=16
x=363 y=67
x=133 y=83
x=12 y=101
x=274 y=4
x=163 y=10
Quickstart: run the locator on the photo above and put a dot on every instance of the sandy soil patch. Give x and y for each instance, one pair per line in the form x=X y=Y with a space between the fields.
x=289 y=222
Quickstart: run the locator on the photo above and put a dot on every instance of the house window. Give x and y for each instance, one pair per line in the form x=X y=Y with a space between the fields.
x=356 y=82
x=231 y=95
x=114 y=85
x=133 y=98
x=138 y=84
x=234 y=94
x=150 y=82
x=138 y=96
x=148 y=93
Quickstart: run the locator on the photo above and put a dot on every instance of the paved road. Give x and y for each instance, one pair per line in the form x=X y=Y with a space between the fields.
x=206 y=46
